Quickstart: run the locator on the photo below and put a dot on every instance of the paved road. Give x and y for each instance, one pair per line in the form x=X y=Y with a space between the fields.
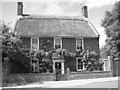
x=110 y=84
x=62 y=89
x=96 y=86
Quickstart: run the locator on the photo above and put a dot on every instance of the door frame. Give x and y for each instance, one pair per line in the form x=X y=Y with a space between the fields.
x=62 y=66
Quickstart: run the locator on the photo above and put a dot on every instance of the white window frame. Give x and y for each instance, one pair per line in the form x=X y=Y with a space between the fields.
x=60 y=41
x=37 y=41
x=78 y=64
x=82 y=43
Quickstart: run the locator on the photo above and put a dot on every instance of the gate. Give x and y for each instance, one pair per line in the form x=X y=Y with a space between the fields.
x=60 y=72
x=60 y=76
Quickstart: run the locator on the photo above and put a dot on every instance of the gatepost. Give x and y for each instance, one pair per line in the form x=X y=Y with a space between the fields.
x=115 y=65
x=112 y=68
x=68 y=73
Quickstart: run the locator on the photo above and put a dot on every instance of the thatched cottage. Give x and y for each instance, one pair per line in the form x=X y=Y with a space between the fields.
x=71 y=33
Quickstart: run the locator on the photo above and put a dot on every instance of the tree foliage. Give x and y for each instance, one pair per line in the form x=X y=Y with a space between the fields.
x=111 y=23
x=12 y=53
x=20 y=58
x=104 y=52
x=92 y=62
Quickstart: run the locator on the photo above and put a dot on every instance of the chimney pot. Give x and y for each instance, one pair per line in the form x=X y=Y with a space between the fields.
x=20 y=9
x=85 y=11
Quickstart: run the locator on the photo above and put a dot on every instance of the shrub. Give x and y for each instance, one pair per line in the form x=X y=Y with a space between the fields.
x=92 y=61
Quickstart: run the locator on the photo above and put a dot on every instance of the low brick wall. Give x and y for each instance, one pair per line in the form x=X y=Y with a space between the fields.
x=36 y=76
x=89 y=75
x=39 y=78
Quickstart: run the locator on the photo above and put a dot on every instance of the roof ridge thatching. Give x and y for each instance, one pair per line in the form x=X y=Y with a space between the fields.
x=53 y=17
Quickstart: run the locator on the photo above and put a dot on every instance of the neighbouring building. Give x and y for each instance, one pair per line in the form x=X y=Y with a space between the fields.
x=64 y=32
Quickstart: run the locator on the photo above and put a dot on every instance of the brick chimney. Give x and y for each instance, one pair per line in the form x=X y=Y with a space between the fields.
x=20 y=9
x=85 y=11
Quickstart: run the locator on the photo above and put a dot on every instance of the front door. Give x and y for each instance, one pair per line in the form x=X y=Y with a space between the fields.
x=58 y=71
x=58 y=67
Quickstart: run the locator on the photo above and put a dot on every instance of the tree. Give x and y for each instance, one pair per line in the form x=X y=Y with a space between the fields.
x=111 y=23
x=9 y=42
x=12 y=53
x=104 y=52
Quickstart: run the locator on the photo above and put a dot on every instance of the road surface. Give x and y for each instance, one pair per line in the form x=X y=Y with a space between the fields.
x=110 y=84
x=106 y=83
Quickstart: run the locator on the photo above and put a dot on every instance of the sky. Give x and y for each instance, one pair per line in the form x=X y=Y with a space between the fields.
x=96 y=10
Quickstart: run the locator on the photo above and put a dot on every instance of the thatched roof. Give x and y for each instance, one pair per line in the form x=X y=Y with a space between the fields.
x=47 y=26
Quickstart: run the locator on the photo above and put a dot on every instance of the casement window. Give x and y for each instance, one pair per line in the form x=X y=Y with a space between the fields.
x=79 y=64
x=57 y=43
x=34 y=43
x=79 y=44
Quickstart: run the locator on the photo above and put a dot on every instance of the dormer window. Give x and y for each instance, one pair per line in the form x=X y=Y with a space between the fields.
x=57 y=43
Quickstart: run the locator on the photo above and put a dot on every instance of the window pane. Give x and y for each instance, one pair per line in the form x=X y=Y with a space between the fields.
x=79 y=41
x=79 y=47
x=79 y=60
x=34 y=47
x=35 y=44
x=57 y=46
x=34 y=41
x=58 y=43
x=79 y=44
x=80 y=64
